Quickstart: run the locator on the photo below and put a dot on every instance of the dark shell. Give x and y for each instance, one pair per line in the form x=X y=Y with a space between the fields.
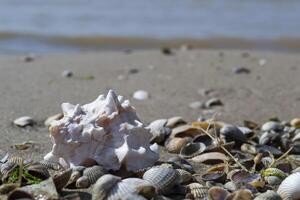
x=61 y=179
x=242 y=176
x=205 y=139
x=232 y=133
x=217 y=193
x=39 y=171
x=192 y=149
x=219 y=177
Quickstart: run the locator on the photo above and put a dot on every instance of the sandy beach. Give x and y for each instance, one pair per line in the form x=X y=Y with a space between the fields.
x=37 y=88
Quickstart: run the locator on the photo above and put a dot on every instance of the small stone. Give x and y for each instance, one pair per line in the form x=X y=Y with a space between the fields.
x=67 y=73
x=213 y=102
x=133 y=71
x=166 y=51
x=29 y=58
x=262 y=62
x=24 y=121
x=140 y=95
x=295 y=122
x=197 y=105
x=241 y=70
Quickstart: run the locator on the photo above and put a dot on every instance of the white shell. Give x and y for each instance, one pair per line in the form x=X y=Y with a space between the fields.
x=290 y=187
x=24 y=121
x=107 y=130
x=140 y=95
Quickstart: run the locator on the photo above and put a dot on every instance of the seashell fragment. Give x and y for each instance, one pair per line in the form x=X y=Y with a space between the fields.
x=107 y=131
x=219 y=177
x=103 y=186
x=175 y=121
x=39 y=171
x=210 y=158
x=289 y=187
x=232 y=133
x=162 y=178
x=158 y=130
x=185 y=131
x=197 y=190
x=24 y=121
x=272 y=126
x=192 y=149
x=140 y=95
x=50 y=165
x=184 y=176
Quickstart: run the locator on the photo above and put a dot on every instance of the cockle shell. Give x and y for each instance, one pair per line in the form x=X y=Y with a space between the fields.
x=289 y=187
x=162 y=178
x=90 y=176
x=184 y=176
x=107 y=130
x=61 y=179
x=197 y=190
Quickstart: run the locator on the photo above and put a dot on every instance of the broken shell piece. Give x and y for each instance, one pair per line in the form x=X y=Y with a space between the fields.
x=107 y=131
x=24 y=121
x=140 y=95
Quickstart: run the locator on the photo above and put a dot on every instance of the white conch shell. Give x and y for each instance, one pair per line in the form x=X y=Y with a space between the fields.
x=290 y=187
x=107 y=130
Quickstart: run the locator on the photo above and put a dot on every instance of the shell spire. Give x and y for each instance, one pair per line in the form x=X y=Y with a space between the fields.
x=106 y=130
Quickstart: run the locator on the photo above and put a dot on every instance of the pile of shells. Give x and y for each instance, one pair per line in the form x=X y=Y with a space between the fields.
x=206 y=159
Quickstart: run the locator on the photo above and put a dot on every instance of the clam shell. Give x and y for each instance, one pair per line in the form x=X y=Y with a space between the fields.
x=174 y=145
x=205 y=139
x=217 y=193
x=19 y=194
x=289 y=187
x=219 y=177
x=94 y=173
x=192 y=149
x=268 y=195
x=24 y=121
x=232 y=133
x=162 y=178
x=185 y=131
x=184 y=176
x=61 y=179
x=197 y=190
x=272 y=126
x=39 y=171
x=174 y=121
x=131 y=186
x=210 y=158
x=273 y=180
x=103 y=186
x=242 y=176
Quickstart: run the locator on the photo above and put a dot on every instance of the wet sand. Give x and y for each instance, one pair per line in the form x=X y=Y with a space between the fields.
x=37 y=88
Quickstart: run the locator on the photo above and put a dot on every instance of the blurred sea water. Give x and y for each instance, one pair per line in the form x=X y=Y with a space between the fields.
x=46 y=25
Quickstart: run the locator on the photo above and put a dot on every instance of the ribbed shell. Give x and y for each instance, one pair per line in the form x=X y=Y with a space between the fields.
x=130 y=186
x=162 y=178
x=16 y=159
x=184 y=176
x=94 y=173
x=197 y=190
x=39 y=171
x=103 y=186
x=61 y=179
x=50 y=165
x=290 y=187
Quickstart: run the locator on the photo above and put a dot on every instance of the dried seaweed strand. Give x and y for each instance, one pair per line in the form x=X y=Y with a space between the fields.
x=223 y=148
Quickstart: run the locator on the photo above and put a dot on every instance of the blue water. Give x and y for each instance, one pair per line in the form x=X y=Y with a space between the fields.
x=164 y=19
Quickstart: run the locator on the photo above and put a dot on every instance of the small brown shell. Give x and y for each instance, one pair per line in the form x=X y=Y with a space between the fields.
x=217 y=193
x=174 y=145
x=61 y=179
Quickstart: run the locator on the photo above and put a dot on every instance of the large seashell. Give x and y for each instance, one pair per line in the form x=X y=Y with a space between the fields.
x=107 y=131
x=197 y=190
x=232 y=133
x=158 y=130
x=103 y=186
x=184 y=176
x=272 y=126
x=217 y=193
x=162 y=178
x=185 y=131
x=90 y=176
x=268 y=195
x=175 y=121
x=61 y=179
x=24 y=121
x=39 y=171
x=174 y=145
x=192 y=149
x=210 y=158
x=289 y=187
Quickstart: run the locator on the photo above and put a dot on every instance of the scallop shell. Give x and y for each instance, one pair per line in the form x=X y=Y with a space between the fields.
x=39 y=171
x=175 y=121
x=197 y=190
x=162 y=178
x=268 y=195
x=289 y=187
x=217 y=193
x=174 y=145
x=94 y=173
x=210 y=158
x=131 y=186
x=184 y=176
x=103 y=186
x=61 y=179
x=192 y=149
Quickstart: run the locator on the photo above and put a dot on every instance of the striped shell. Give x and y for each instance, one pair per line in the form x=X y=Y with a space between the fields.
x=289 y=187
x=94 y=173
x=61 y=179
x=197 y=190
x=162 y=178
x=16 y=159
x=51 y=165
x=39 y=171
x=184 y=176
x=131 y=186
x=103 y=186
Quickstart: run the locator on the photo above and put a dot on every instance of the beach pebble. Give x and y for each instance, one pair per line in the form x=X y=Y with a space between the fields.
x=262 y=62
x=213 y=102
x=241 y=70
x=67 y=73
x=166 y=51
x=197 y=105
x=133 y=71
x=29 y=58
x=24 y=121
x=140 y=95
